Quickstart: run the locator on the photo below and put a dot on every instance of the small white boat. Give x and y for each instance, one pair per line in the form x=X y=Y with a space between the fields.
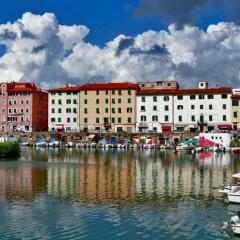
x=24 y=144
x=233 y=224
x=184 y=147
x=227 y=189
x=69 y=144
x=234 y=195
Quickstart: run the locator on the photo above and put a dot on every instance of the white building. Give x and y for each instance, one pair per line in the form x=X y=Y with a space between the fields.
x=63 y=108
x=202 y=109
x=154 y=110
x=205 y=109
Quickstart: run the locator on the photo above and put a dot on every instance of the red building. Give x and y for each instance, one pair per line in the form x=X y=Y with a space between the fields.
x=23 y=106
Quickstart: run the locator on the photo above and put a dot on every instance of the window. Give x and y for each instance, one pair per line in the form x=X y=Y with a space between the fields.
x=129 y=100
x=85 y=120
x=74 y=101
x=53 y=101
x=59 y=110
x=22 y=110
x=192 y=97
x=85 y=92
x=113 y=110
x=180 y=118
x=97 y=110
x=68 y=101
x=97 y=101
x=106 y=110
x=235 y=102
x=60 y=101
x=113 y=101
x=180 y=97
x=113 y=120
x=59 y=93
x=59 y=120
x=52 y=119
x=113 y=92
x=154 y=118
x=68 y=110
x=143 y=118
x=26 y=110
x=119 y=92
x=106 y=100
x=192 y=107
x=119 y=110
x=74 y=120
x=201 y=96
x=22 y=102
x=210 y=107
x=166 y=118
x=85 y=101
x=143 y=99
x=143 y=109
x=224 y=118
x=106 y=92
x=224 y=95
x=53 y=110
x=201 y=106
x=97 y=92
x=210 y=118
x=193 y=118
x=15 y=110
x=129 y=110
x=68 y=93
x=129 y=92
x=166 y=108
x=85 y=110
x=119 y=120
x=119 y=100
x=235 y=114
x=180 y=107
x=14 y=102
x=166 y=98
x=68 y=120
x=105 y=120
x=154 y=99
x=74 y=110
x=9 y=110
x=97 y=120
x=210 y=96
x=154 y=108
x=129 y=120
x=224 y=106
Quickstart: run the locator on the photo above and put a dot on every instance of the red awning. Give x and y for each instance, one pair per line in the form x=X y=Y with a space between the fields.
x=203 y=142
x=167 y=128
x=225 y=126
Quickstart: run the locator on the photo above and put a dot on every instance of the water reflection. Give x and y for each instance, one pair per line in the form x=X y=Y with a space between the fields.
x=116 y=176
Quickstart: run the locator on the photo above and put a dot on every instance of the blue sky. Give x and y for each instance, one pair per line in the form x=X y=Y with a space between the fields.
x=108 y=18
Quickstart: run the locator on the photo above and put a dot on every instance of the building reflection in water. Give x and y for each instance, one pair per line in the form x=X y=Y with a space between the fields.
x=116 y=176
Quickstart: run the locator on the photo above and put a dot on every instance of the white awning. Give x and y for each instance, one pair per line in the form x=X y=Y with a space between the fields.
x=237 y=175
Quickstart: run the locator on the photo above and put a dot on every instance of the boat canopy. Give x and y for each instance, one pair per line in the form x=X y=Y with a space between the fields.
x=237 y=175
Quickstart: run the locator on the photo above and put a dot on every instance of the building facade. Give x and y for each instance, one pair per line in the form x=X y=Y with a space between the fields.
x=155 y=110
x=235 y=111
x=63 y=110
x=201 y=109
x=108 y=106
x=23 y=107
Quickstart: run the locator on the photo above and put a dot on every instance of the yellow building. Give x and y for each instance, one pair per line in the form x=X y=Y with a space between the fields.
x=235 y=111
x=108 y=106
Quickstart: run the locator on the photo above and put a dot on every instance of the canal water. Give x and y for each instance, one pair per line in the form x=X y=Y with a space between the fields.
x=114 y=194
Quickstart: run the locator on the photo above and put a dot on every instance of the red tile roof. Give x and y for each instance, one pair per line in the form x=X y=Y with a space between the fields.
x=236 y=96
x=97 y=86
x=184 y=91
x=110 y=86
x=65 y=89
x=22 y=87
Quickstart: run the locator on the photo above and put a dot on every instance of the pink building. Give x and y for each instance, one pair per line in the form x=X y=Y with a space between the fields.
x=23 y=107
